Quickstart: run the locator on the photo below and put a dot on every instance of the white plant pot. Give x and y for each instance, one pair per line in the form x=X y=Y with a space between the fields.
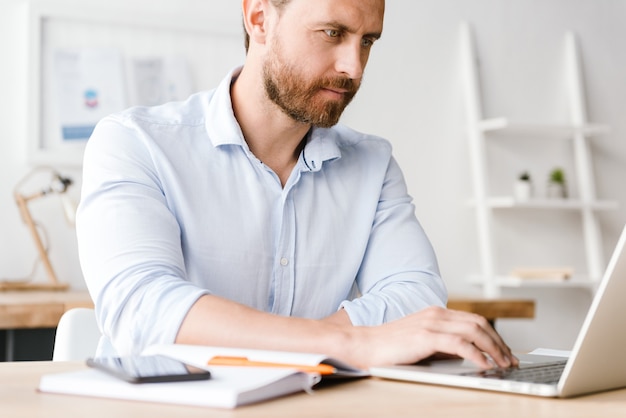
x=556 y=191
x=522 y=190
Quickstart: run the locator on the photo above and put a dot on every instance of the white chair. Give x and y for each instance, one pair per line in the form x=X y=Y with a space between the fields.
x=77 y=335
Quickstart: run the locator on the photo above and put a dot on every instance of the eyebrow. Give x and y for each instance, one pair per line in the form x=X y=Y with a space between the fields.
x=344 y=28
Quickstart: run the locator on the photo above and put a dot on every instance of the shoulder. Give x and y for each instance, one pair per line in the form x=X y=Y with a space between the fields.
x=142 y=128
x=190 y=112
x=347 y=137
x=346 y=151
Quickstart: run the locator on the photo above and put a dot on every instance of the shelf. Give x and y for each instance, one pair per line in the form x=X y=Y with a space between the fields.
x=576 y=130
x=517 y=282
x=509 y=202
x=505 y=126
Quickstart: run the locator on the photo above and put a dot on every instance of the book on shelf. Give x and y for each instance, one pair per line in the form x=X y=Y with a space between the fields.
x=262 y=376
x=543 y=273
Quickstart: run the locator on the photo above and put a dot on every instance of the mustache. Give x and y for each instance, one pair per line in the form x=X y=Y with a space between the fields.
x=342 y=83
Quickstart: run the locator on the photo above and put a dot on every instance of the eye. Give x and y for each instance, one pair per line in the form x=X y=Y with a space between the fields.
x=367 y=42
x=332 y=33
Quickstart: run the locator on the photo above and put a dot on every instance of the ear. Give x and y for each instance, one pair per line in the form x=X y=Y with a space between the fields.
x=254 y=12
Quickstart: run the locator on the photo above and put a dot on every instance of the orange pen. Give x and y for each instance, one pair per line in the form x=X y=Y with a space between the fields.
x=323 y=369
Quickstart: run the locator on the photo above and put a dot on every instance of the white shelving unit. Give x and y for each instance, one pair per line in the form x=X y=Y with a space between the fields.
x=480 y=131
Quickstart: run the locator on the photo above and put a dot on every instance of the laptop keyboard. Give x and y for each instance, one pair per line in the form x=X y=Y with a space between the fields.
x=540 y=373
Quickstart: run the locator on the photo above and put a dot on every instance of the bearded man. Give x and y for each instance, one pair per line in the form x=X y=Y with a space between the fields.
x=247 y=216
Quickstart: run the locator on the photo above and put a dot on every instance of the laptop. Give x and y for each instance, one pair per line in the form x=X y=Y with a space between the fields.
x=596 y=362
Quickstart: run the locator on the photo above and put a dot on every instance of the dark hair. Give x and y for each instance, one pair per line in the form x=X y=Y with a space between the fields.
x=279 y=4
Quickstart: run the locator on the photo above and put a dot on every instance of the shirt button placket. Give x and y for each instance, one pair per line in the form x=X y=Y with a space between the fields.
x=285 y=275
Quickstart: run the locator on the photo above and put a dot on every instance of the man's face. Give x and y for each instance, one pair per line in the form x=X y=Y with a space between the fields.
x=316 y=58
x=299 y=95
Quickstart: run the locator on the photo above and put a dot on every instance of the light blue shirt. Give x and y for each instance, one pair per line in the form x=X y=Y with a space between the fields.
x=175 y=206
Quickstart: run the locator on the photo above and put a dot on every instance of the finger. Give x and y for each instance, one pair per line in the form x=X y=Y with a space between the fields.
x=476 y=330
x=500 y=355
x=474 y=339
x=458 y=346
x=500 y=348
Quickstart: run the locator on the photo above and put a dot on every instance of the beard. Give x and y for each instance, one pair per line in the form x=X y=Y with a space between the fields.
x=297 y=96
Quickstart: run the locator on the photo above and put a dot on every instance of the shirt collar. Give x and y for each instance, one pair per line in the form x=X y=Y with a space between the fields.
x=321 y=147
x=221 y=124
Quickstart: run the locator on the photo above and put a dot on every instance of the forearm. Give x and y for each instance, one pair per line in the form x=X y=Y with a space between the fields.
x=216 y=321
x=220 y=322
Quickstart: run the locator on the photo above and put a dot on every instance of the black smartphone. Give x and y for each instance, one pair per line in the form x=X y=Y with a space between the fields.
x=148 y=369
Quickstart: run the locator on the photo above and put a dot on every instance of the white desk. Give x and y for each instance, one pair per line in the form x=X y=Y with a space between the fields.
x=362 y=398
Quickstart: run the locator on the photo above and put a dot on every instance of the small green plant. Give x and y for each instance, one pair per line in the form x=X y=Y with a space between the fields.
x=524 y=176
x=556 y=183
x=557 y=176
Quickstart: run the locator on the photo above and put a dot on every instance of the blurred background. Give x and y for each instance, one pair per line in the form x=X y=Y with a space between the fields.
x=413 y=95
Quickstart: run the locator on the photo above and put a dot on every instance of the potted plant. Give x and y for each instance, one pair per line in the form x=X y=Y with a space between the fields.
x=557 y=186
x=523 y=187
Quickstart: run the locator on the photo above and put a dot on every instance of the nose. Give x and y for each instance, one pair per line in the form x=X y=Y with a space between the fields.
x=351 y=60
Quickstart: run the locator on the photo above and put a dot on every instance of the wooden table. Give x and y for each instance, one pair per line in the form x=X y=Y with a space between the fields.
x=43 y=309
x=364 y=398
x=493 y=309
x=36 y=309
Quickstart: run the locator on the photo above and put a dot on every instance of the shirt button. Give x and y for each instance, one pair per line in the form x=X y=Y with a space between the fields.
x=284 y=261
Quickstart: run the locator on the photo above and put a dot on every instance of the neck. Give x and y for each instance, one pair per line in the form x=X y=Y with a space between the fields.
x=272 y=136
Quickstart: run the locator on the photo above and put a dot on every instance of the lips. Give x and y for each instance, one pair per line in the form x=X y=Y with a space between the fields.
x=339 y=85
x=339 y=92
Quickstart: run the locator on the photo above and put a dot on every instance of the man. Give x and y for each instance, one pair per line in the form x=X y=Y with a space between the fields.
x=247 y=217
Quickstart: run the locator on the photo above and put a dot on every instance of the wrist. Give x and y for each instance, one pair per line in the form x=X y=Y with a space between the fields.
x=346 y=342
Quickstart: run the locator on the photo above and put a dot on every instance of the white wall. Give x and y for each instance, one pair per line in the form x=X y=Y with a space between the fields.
x=412 y=95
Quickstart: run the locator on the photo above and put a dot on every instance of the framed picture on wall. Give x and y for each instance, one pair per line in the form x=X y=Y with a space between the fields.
x=90 y=60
